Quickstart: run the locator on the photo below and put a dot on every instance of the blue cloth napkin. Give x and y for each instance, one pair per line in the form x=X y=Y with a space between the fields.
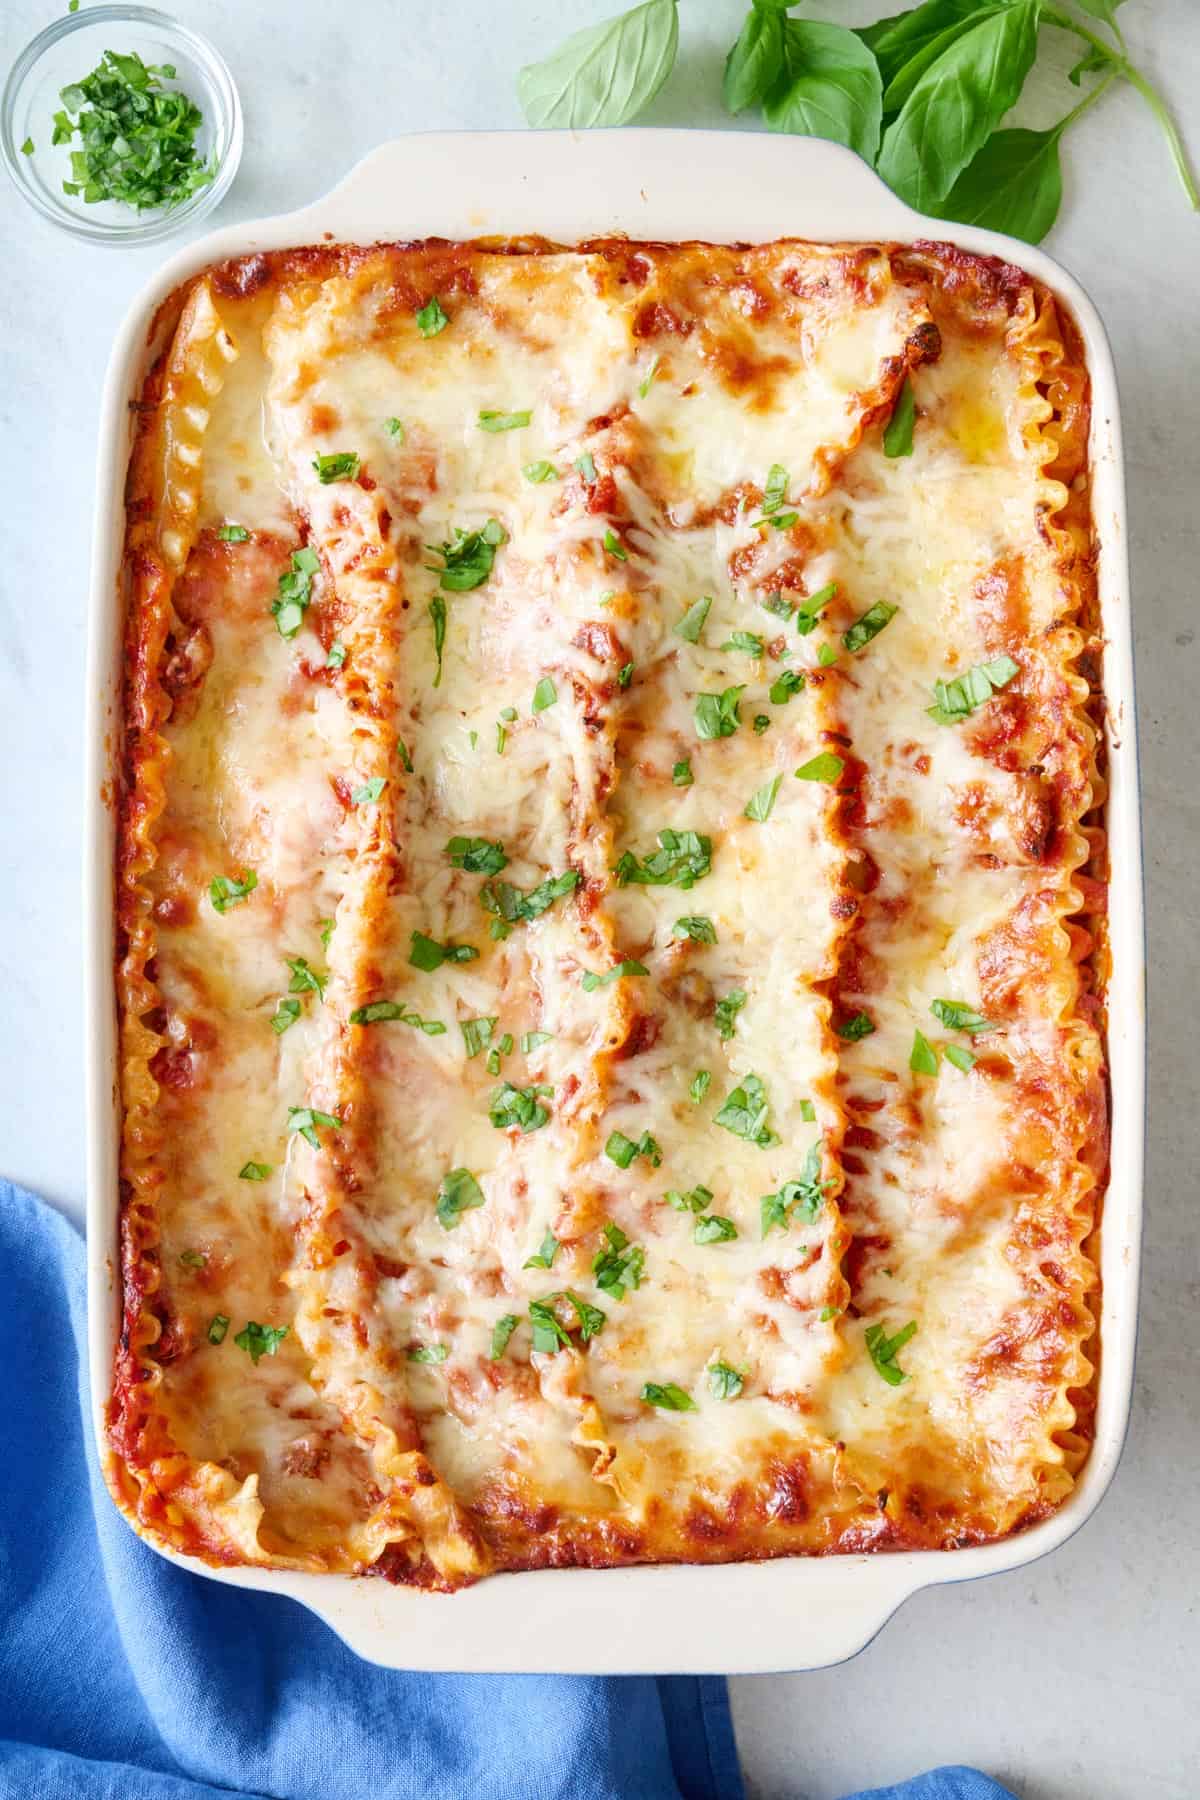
x=124 y=1678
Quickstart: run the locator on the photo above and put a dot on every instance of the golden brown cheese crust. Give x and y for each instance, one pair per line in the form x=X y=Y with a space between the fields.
x=963 y=861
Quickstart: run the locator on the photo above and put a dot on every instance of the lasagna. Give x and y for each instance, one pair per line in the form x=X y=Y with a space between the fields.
x=610 y=895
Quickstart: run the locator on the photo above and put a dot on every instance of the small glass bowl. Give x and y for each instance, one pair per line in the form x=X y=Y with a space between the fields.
x=66 y=52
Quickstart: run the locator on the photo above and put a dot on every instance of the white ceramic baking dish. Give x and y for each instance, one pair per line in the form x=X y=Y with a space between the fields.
x=794 y=1613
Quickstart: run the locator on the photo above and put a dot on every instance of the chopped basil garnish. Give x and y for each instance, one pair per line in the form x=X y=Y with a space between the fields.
x=540 y=471
x=429 y=1353
x=898 y=433
x=724 y=1381
x=808 y=1112
x=668 y=1396
x=681 y=860
x=695 y=1200
x=614 y=546
x=384 y=1012
x=458 y=1192
x=713 y=1230
x=883 y=1350
x=775 y=491
x=761 y=723
x=804 y=1194
x=826 y=656
x=811 y=608
x=744 y=1113
x=260 y=1340
x=478 y=856
x=922 y=1058
x=586 y=465
x=427 y=954
x=137 y=136
x=477 y=1034
x=591 y=1319
x=696 y=927
x=193 y=1259
x=468 y=557
x=502 y=1330
x=825 y=767
x=726 y=1011
x=591 y=982
x=512 y=907
x=543 y=1258
x=341 y=466
x=230 y=890
x=437 y=615
x=829 y=1312
x=544 y=694
x=533 y=1040
x=860 y=1025
x=762 y=801
x=625 y=675
x=869 y=625
x=775 y=603
x=305 y=1120
x=254 y=1171
x=432 y=318
x=325 y=931
x=787 y=683
x=394 y=429
x=647 y=381
x=623 y=1151
x=286 y=1013
x=218 y=1325
x=337 y=655
x=548 y=1335
x=368 y=794
x=717 y=715
x=233 y=534
x=955 y=1015
x=957 y=699
x=692 y=622
x=700 y=1083
x=681 y=774
x=305 y=979
x=27 y=147
x=963 y=1060
x=620 y=1265
x=522 y=1107
x=502 y=421
x=749 y=641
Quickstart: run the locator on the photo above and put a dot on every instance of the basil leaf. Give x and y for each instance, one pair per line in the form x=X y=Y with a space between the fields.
x=533 y=1040
x=883 y=1350
x=700 y=1083
x=724 y=1381
x=956 y=1015
x=254 y=1171
x=406 y=761
x=829 y=87
x=294 y=592
x=305 y=1120
x=647 y=381
x=744 y=1113
x=341 y=466
x=669 y=1396
x=605 y=74
x=681 y=860
x=225 y=891
x=478 y=856
x=717 y=715
x=522 y=1107
x=437 y=614
x=193 y=1259
x=811 y=608
x=957 y=103
x=620 y=1265
x=613 y=545
x=692 y=622
x=592 y=982
x=544 y=1257
x=477 y=1034
x=825 y=767
x=337 y=655
x=502 y=1330
x=467 y=558
x=696 y=1200
x=511 y=907
x=27 y=147
x=458 y=1192
x=426 y=954
x=725 y=1012
x=432 y=318
x=591 y=1319
x=789 y=682
x=286 y=1013
x=233 y=534
x=870 y=624
x=714 y=1230
x=761 y=723
x=753 y=65
x=1014 y=185
x=761 y=803
x=429 y=1353
x=586 y=465
x=749 y=641
x=394 y=429
x=906 y=77
x=548 y=1335
x=858 y=1026
x=218 y=1325
x=538 y=472
x=900 y=40
x=963 y=1060
x=368 y=794
x=827 y=656
x=957 y=699
x=502 y=421
x=696 y=927
x=623 y=1150
x=258 y=1340
x=544 y=694
x=898 y=432
x=681 y=774
x=922 y=1059
x=775 y=490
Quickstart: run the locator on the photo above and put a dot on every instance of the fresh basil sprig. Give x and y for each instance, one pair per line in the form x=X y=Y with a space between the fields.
x=920 y=94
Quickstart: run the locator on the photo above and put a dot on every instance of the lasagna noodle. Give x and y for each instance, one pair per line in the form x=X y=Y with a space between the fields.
x=552 y=709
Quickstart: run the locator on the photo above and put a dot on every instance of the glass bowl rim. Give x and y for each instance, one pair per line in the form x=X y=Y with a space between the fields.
x=228 y=125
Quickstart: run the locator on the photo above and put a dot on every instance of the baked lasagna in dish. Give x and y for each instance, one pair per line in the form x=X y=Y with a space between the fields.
x=610 y=899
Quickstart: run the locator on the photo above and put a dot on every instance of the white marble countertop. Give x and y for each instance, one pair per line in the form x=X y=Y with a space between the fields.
x=1074 y=1679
